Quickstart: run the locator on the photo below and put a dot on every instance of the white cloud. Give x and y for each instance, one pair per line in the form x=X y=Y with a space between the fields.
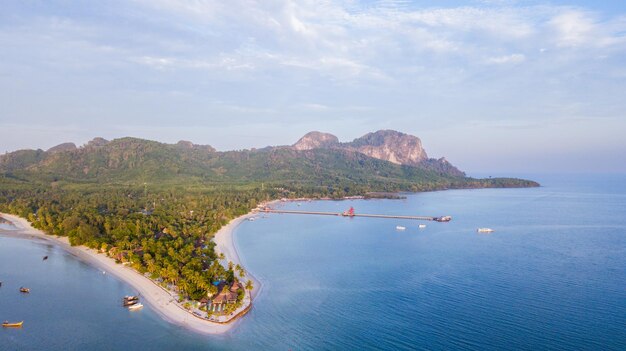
x=154 y=62
x=220 y=63
x=578 y=28
x=505 y=22
x=574 y=28
x=206 y=9
x=507 y=59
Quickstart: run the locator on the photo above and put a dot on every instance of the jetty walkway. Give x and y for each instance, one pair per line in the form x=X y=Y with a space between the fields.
x=351 y=213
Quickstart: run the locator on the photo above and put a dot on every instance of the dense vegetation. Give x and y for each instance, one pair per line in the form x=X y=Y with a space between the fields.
x=167 y=233
x=157 y=205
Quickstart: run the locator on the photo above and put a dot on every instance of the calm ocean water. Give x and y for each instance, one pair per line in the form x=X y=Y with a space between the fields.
x=551 y=277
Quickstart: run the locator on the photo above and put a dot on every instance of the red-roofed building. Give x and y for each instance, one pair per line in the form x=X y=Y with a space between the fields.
x=226 y=295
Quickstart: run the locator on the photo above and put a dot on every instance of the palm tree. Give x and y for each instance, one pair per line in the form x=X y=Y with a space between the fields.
x=240 y=269
x=249 y=285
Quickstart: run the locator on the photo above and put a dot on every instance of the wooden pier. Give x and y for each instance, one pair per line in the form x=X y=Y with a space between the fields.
x=350 y=213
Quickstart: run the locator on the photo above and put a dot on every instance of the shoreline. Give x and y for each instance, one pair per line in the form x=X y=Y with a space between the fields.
x=225 y=243
x=158 y=298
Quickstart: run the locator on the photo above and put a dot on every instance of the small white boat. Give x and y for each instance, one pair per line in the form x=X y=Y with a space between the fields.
x=399 y=227
x=135 y=307
x=485 y=230
x=422 y=226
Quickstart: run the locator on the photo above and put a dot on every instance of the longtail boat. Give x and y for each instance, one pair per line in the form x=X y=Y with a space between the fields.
x=135 y=307
x=130 y=300
x=24 y=290
x=6 y=324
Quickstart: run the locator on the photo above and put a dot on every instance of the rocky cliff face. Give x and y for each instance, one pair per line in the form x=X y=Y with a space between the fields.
x=392 y=146
x=188 y=145
x=62 y=147
x=97 y=142
x=316 y=140
x=388 y=145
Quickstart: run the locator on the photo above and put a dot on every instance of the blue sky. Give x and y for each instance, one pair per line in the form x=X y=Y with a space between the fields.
x=495 y=86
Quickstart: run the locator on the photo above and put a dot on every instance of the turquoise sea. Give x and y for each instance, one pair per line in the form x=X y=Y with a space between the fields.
x=551 y=277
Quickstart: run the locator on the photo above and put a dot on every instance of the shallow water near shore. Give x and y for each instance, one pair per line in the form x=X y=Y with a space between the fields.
x=551 y=277
x=6 y=226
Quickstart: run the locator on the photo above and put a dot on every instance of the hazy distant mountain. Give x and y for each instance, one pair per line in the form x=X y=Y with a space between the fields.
x=382 y=160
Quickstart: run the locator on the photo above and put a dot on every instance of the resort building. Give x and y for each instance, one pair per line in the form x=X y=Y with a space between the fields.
x=226 y=295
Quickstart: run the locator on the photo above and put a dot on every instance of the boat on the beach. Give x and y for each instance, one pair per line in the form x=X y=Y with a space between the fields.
x=421 y=226
x=24 y=290
x=7 y=324
x=135 y=307
x=485 y=230
x=399 y=227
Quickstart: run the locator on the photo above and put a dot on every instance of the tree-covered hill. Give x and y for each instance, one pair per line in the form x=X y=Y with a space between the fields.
x=132 y=161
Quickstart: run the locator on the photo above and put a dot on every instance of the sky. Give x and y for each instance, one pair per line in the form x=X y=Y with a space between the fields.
x=494 y=86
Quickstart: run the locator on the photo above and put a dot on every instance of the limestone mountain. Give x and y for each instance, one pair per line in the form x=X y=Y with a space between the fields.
x=97 y=142
x=316 y=140
x=388 y=145
x=392 y=146
x=380 y=161
x=62 y=147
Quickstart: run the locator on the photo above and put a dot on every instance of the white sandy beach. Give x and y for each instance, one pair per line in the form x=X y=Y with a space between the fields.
x=225 y=243
x=155 y=296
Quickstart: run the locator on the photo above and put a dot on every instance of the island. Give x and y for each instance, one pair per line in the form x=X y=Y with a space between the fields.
x=161 y=217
